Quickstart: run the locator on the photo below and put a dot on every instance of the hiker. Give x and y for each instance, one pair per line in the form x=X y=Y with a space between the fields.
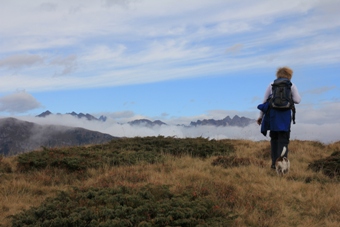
x=278 y=119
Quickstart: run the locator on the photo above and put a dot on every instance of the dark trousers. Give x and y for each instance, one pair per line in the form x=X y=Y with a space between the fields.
x=277 y=141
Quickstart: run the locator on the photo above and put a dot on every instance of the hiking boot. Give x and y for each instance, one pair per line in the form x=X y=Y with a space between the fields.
x=273 y=167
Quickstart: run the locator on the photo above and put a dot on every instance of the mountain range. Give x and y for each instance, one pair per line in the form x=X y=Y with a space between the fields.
x=80 y=115
x=227 y=121
x=17 y=136
x=146 y=123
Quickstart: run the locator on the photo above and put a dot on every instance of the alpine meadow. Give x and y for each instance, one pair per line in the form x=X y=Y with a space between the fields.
x=167 y=181
x=148 y=113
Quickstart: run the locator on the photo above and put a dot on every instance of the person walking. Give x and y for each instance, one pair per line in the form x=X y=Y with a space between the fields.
x=277 y=119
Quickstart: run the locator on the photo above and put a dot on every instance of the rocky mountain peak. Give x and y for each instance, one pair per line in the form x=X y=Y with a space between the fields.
x=44 y=114
x=80 y=115
x=227 y=121
x=146 y=122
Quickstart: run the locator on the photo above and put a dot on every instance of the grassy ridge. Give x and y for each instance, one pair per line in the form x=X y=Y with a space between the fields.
x=121 y=152
x=158 y=181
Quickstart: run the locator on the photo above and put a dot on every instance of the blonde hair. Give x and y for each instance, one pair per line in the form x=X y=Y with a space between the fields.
x=284 y=72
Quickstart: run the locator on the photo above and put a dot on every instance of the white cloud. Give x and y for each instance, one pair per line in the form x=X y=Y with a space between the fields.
x=123 y=3
x=320 y=90
x=68 y=64
x=19 y=102
x=325 y=133
x=115 y=40
x=21 y=60
x=49 y=7
x=234 y=48
x=105 y=53
x=121 y=42
x=322 y=113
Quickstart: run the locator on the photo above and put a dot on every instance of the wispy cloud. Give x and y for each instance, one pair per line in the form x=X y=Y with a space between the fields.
x=234 y=48
x=68 y=64
x=323 y=113
x=320 y=90
x=19 y=102
x=312 y=124
x=14 y=62
x=111 y=41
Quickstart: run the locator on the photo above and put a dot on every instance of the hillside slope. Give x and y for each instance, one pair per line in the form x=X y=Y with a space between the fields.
x=18 y=136
x=157 y=181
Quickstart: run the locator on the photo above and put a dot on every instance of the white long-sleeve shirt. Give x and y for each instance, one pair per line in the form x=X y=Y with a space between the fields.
x=295 y=95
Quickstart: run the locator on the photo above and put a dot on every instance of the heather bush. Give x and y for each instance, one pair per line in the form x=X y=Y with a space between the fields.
x=151 y=205
x=195 y=147
x=82 y=158
x=127 y=151
x=329 y=166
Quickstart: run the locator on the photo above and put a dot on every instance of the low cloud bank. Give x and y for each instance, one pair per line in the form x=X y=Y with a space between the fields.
x=325 y=133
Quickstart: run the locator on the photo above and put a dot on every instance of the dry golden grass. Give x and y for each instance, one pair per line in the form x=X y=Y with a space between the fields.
x=254 y=193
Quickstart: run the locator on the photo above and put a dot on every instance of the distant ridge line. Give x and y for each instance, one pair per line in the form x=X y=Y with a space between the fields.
x=227 y=121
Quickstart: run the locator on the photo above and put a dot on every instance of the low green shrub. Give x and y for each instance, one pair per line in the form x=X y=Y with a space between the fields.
x=127 y=151
x=79 y=159
x=148 y=206
x=196 y=147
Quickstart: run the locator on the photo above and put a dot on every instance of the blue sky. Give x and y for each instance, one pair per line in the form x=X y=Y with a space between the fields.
x=170 y=60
